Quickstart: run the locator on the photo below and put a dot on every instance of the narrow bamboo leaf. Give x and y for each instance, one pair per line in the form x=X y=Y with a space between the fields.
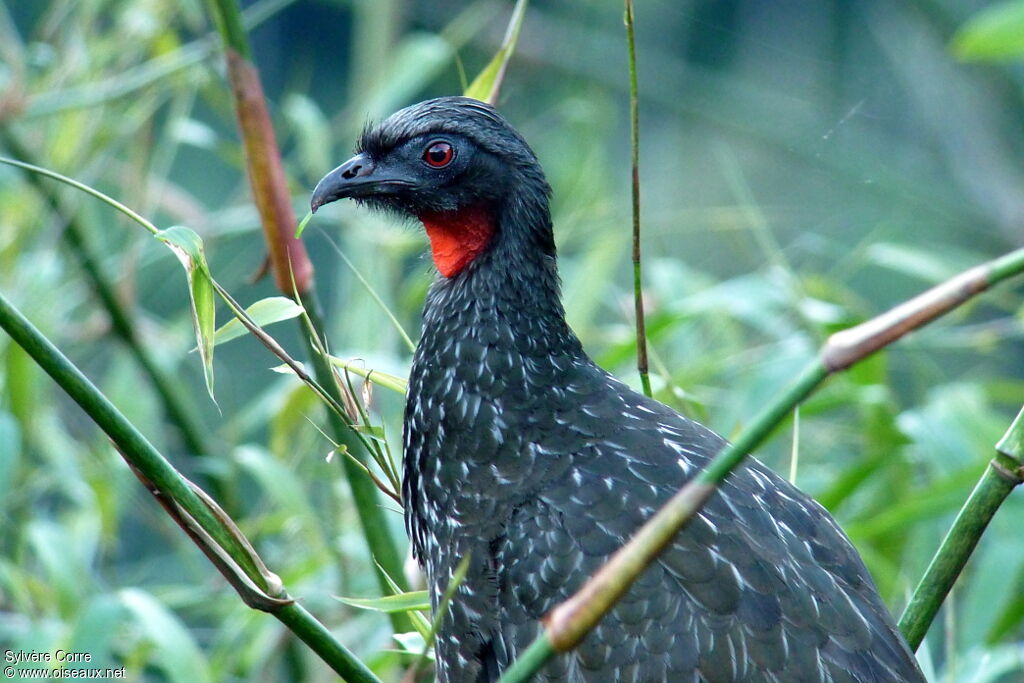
x=188 y=247
x=483 y=85
x=264 y=312
x=383 y=379
x=302 y=224
x=373 y=431
x=487 y=84
x=284 y=369
x=379 y=378
x=413 y=642
x=419 y=622
x=402 y=602
x=994 y=33
x=204 y=317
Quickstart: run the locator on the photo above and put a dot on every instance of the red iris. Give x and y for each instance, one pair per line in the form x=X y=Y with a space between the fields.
x=438 y=154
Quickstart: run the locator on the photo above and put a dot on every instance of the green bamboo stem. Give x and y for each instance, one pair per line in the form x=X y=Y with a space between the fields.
x=228 y=16
x=121 y=322
x=169 y=484
x=138 y=450
x=1002 y=475
x=320 y=640
x=1012 y=443
x=569 y=622
x=539 y=653
x=634 y=125
x=365 y=495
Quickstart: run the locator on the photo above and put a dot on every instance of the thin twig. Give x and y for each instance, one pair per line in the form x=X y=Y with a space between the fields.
x=457 y=577
x=634 y=125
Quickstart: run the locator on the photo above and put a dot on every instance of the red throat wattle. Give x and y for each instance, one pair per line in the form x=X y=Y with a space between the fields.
x=457 y=237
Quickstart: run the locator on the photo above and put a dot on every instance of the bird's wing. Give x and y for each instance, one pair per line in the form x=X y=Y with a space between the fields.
x=761 y=585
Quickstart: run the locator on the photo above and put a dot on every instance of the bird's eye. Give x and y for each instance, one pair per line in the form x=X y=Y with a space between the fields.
x=438 y=154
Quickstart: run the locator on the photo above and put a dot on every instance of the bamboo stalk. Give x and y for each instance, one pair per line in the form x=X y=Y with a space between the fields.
x=204 y=521
x=144 y=456
x=569 y=622
x=293 y=274
x=320 y=640
x=1003 y=474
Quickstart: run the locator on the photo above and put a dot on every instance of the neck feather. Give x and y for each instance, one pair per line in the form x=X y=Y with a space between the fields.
x=458 y=237
x=517 y=264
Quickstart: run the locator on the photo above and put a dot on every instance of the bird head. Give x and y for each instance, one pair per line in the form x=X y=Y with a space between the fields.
x=456 y=165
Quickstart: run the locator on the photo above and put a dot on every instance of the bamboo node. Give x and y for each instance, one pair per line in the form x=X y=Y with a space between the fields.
x=1012 y=476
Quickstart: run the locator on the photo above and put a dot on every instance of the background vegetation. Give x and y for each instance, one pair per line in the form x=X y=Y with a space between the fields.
x=805 y=165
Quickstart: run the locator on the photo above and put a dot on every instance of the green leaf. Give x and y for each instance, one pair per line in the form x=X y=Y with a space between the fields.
x=383 y=379
x=994 y=33
x=388 y=381
x=402 y=602
x=96 y=631
x=204 y=312
x=419 y=621
x=302 y=224
x=413 y=642
x=482 y=87
x=264 y=312
x=373 y=431
x=487 y=84
x=175 y=652
x=188 y=247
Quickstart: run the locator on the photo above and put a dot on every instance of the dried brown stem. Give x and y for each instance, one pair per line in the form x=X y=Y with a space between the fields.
x=288 y=256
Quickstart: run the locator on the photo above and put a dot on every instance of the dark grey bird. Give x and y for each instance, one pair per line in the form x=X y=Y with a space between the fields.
x=526 y=457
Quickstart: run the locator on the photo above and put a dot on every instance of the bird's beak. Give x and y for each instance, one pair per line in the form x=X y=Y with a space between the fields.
x=357 y=177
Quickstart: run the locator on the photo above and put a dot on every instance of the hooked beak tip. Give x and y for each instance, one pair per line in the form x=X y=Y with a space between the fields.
x=341 y=182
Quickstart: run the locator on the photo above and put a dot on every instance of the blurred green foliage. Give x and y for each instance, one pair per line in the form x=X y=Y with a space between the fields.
x=804 y=166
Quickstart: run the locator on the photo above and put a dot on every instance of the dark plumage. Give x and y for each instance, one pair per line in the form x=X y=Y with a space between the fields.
x=524 y=455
